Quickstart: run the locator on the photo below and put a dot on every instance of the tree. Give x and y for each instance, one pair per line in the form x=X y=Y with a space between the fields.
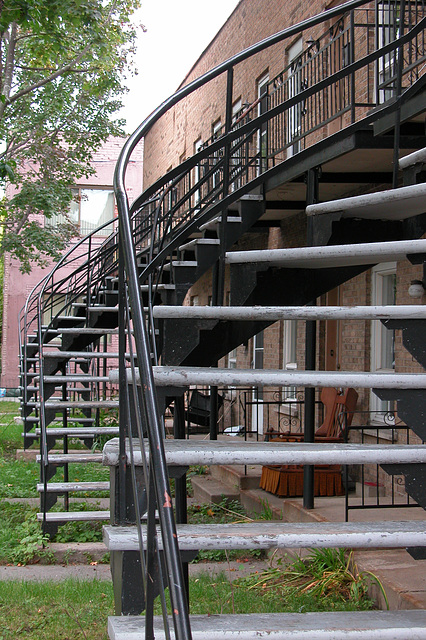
x=63 y=65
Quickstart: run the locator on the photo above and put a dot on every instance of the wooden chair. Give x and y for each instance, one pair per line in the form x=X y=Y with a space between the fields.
x=287 y=480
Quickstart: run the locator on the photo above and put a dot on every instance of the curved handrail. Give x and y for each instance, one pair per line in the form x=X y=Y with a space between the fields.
x=159 y=233
x=132 y=278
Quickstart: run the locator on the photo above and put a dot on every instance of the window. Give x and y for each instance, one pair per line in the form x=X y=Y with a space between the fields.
x=236 y=150
x=262 y=136
x=90 y=208
x=382 y=339
x=294 y=87
x=217 y=175
x=388 y=31
x=198 y=145
x=289 y=353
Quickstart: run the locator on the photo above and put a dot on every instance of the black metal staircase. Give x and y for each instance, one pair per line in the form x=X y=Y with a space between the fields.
x=175 y=233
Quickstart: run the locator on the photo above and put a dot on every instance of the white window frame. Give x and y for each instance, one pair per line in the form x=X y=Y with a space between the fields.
x=262 y=133
x=378 y=297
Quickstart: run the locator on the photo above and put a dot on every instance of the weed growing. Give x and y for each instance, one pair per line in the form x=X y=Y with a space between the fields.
x=326 y=579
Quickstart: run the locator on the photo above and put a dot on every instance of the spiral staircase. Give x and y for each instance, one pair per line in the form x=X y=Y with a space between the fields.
x=107 y=329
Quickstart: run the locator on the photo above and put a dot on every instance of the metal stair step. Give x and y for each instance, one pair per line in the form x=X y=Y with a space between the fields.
x=102 y=308
x=336 y=625
x=387 y=312
x=72 y=458
x=207 y=452
x=271 y=535
x=417 y=157
x=68 y=487
x=74 y=516
x=394 y=204
x=80 y=432
x=80 y=404
x=87 y=330
x=331 y=256
x=187 y=376
x=81 y=355
x=180 y=263
x=59 y=379
x=198 y=242
x=212 y=224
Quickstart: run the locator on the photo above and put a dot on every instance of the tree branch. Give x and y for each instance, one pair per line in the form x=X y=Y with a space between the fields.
x=44 y=81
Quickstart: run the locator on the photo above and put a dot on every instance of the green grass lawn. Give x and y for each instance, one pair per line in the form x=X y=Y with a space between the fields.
x=79 y=610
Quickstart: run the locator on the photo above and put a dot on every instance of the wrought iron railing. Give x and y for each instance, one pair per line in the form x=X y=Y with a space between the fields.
x=188 y=196
x=300 y=102
x=370 y=487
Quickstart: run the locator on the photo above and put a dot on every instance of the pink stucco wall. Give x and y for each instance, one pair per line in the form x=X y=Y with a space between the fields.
x=17 y=286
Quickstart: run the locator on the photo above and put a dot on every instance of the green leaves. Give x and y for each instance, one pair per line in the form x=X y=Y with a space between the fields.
x=61 y=84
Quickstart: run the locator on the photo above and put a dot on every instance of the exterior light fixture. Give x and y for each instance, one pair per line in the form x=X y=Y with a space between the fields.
x=416 y=289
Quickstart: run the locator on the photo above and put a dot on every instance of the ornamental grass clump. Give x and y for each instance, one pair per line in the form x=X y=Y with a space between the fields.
x=327 y=577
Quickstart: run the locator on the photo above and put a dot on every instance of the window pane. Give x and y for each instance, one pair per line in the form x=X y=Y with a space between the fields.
x=96 y=207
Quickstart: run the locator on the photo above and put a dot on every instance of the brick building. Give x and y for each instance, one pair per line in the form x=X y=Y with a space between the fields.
x=94 y=205
x=200 y=117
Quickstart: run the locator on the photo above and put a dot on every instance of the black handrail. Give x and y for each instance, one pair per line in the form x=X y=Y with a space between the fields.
x=160 y=233
x=132 y=277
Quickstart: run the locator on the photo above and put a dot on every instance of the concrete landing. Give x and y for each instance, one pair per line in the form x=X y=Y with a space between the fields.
x=403 y=578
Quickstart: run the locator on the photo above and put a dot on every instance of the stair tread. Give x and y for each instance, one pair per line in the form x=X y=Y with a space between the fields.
x=331 y=256
x=411 y=159
x=79 y=458
x=393 y=204
x=82 y=404
x=224 y=452
x=59 y=379
x=79 y=432
x=269 y=535
x=199 y=241
x=385 y=312
x=53 y=487
x=187 y=376
x=74 y=516
x=336 y=625
x=80 y=354
x=211 y=224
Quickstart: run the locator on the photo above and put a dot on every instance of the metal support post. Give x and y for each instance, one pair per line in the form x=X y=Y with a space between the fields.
x=312 y=187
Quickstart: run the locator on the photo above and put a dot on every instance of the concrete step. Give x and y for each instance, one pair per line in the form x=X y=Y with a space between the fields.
x=242 y=477
x=342 y=625
x=208 y=489
x=207 y=452
x=331 y=256
x=394 y=204
x=282 y=535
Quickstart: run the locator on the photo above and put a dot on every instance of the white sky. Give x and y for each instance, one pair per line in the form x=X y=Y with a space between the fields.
x=178 y=31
